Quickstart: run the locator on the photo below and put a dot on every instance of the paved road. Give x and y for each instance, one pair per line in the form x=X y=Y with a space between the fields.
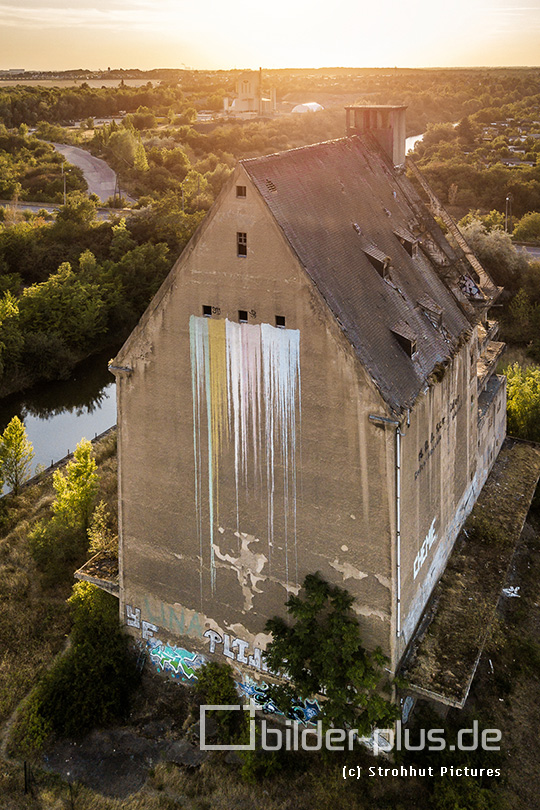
x=101 y=213
x=100 y=177
x=533 y=252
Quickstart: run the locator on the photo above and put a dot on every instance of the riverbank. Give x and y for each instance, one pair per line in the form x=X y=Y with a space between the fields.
x=58 y=414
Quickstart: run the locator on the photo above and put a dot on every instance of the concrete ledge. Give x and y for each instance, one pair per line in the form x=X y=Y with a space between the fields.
x=446 y=648
x=101 y=570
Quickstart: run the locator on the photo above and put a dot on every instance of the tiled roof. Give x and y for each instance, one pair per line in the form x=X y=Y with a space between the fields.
x=343 y=209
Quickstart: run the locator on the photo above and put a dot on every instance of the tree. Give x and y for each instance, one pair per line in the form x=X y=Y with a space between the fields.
x=76 y=488
x=528 y=228
x=497 y=253
x=16 y=455
x=523 y=401
x=322 y=653
x=101 y=534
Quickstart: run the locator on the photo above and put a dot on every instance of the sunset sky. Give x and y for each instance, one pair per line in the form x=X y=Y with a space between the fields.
x=52 y=34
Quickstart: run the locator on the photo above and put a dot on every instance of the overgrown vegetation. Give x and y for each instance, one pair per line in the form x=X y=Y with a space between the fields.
x=33 y=611
x=322 y=653
x=53 y=315
x=90 y=684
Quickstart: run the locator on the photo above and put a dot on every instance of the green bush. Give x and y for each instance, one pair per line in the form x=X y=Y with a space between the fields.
x=90 y=684
x=215 y=686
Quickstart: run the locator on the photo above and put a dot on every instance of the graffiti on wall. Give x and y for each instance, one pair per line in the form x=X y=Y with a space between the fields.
x=302 y=711
x=168 y=658
x=421 y=557
x=246 y=396
x=236 y=650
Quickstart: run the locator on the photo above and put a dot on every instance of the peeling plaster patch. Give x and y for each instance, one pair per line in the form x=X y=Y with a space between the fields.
x=260 y=640
x=344 y=548
x=349 y=571
x=368 y=613
x=247 y=566
x=353 y=517
x=221 y=530
x=385 y=582
x=178 y=556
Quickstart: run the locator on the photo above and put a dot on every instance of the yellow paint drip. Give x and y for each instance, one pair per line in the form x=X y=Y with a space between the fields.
x=217 y=352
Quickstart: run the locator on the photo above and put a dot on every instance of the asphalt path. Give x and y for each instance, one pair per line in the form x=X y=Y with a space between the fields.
x=533 y=252
x=100 y=177
x=52 y=208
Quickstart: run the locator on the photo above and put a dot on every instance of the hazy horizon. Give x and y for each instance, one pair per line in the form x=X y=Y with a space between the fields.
x=47 y=35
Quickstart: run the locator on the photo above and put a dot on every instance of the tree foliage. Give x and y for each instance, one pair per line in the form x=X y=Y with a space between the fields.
x=16 y=455
x=322 y=653
x=76 y=488
x=88 y=686
x=528 y=228
x=101 y=534
x=523 y=401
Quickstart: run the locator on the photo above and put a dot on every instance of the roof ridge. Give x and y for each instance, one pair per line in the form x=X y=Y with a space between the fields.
x=262 y=158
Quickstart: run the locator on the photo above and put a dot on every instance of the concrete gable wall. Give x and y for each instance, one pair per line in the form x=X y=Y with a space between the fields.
x=195 y=560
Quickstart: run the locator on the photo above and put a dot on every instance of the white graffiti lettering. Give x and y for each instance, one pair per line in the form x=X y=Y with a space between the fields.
x=133 y=617
x=421 y=557
x=255 y=660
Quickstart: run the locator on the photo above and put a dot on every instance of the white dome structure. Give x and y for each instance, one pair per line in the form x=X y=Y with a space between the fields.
x=309 y=106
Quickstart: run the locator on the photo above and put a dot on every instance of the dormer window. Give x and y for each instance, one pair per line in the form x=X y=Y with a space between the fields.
x=379 y=260
x=405 y=337
x=431 y=310
x=407 y=240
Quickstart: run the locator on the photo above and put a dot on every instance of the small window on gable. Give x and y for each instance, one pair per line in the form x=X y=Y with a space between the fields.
x=240 y=191
x=280 y=321
x=207 y=310
x=243 y=315
x=241 y=244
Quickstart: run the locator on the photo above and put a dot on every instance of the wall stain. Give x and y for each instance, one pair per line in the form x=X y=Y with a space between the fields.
x=246 y=395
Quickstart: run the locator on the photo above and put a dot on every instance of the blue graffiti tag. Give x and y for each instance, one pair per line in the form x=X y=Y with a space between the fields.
x=303 y=711
x=175 y=659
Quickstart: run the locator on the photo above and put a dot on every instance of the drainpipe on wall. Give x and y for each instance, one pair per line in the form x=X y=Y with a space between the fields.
x=383 y=420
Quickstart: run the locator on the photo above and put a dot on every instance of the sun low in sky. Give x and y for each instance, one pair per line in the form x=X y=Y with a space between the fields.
x=51 y=34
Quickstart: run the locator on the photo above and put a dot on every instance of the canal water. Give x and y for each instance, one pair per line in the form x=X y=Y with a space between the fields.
x=57 y=415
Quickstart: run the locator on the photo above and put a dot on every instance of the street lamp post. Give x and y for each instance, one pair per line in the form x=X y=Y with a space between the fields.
x=508 y=214
x=64 y=179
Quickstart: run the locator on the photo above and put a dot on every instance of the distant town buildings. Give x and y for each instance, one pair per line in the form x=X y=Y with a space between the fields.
x=250 y=101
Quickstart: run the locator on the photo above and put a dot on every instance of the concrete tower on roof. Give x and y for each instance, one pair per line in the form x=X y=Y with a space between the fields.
x=312 y=388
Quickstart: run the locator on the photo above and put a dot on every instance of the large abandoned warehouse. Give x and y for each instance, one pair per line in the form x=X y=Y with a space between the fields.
x=313 y=388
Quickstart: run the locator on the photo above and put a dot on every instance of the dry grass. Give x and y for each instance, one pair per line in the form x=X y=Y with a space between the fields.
x=34 y=618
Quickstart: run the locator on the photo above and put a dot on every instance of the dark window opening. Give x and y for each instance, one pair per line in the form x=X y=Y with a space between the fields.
x=241 y=244
x=280 y=321
x=207 y=310
x=243 y=315
x=241 y=191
